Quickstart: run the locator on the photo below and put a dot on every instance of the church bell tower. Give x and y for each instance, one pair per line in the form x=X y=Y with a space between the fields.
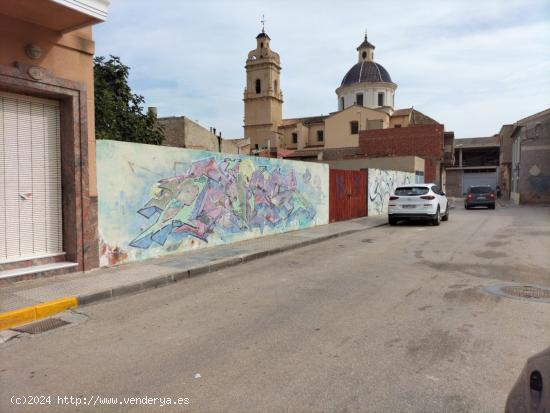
x=263 y=99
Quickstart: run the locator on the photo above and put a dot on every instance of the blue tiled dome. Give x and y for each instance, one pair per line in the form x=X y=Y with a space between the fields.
x=366 y=72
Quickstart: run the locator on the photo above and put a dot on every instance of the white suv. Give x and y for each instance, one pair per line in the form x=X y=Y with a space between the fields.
x=418 y=201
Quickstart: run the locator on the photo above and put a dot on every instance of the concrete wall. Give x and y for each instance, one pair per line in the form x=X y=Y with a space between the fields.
x=395 y=163
x=236 y=146
x=182 y=132
x=533 y=184
x=425 y=141
x=156 y=200
x=381 y=185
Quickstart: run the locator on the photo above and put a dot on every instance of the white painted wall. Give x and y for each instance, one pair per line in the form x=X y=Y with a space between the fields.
x=370 y=95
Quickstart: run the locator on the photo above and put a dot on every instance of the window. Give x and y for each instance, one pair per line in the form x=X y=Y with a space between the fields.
x=397 y=126
x=359 y=99
x=320 y=136
x=354 y=126
x=341 y=103
x=258 y=86
x=275 y=85
x=380 y=98
x=411 y=191
x=294 y=137
x=364 y=55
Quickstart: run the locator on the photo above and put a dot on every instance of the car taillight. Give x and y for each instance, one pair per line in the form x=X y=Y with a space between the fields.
x=393 y=198
x=492 y=195
x=430 y=197
x=470 y=196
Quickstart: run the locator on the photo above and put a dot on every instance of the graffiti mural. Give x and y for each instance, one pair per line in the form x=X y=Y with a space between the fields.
x=158 y=200
x=380 y=186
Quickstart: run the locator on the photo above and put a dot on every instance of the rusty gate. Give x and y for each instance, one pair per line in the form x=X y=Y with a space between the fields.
x=348 y=194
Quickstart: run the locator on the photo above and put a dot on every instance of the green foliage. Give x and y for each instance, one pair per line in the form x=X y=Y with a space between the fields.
x=119 y=112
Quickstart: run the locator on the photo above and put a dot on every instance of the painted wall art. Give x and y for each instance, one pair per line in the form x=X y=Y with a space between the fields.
x=156 y=200
x=380 y=186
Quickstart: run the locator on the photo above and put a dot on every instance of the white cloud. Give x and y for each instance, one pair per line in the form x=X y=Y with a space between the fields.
x=472 y=65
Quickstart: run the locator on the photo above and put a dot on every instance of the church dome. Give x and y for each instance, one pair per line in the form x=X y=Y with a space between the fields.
x=366 y=71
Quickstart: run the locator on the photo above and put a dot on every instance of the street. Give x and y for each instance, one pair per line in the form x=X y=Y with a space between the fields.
x=391 y=319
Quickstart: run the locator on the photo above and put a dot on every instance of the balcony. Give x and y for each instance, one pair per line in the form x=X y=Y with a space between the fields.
x=58 y=15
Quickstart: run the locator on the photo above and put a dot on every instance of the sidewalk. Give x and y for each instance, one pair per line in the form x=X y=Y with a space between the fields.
x=27 y=301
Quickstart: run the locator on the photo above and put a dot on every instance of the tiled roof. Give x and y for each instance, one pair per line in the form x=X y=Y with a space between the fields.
x=483 y=142
x=366 y=71
x=402 y=112
x=306 y=120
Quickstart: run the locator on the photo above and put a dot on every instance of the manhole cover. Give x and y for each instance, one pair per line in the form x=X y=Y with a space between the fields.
x=522 y=292
x=41 y=326
x=526 y=291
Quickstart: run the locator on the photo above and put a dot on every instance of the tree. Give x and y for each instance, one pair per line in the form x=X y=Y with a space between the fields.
x=119 y=112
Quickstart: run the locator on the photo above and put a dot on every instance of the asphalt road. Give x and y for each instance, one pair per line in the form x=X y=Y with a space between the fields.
x=392 y=319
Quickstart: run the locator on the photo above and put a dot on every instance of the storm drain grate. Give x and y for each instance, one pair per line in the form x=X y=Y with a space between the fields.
x=527 y=291
x=41 y=326
x=522 y=292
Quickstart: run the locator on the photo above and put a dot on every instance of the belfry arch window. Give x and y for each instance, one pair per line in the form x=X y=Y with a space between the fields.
x=258 y=86
x=275 y=85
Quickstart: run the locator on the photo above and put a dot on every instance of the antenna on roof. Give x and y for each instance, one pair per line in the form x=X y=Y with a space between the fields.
x=263 y=23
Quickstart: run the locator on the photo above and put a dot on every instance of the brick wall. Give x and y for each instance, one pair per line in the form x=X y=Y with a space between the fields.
x=424 y=141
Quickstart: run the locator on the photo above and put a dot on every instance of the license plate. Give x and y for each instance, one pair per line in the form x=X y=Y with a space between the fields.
x=481 y=197
x=409 y=206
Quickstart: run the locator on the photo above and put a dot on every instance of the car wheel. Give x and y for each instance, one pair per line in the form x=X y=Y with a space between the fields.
x=392 y=221
x=446 y=216
x=492 y=206
x=437 y=219
x=466 y=206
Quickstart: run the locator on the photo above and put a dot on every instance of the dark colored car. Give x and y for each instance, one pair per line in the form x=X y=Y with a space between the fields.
x=480 y=196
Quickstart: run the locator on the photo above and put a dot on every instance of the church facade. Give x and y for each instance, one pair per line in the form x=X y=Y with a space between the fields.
x=365 y=101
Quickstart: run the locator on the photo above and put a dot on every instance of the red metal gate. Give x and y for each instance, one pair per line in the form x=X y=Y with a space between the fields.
x=348 y=194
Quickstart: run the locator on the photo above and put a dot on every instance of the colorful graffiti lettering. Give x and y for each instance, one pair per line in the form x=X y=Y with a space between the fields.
x=381 y=184
x=156 y=200
x=230 y=196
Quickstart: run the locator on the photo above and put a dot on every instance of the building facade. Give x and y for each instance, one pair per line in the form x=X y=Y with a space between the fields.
x=48 y=211
x=530 y=167
x=182 y=132
x=365 y=102
x=477 y=163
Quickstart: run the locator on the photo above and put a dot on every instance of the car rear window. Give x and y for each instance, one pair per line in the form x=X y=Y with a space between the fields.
x=481 y=189
x=412 y=191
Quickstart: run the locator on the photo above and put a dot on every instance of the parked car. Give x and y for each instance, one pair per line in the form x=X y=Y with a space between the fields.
x=480 y=196
x=418 y=202
x=531 y=393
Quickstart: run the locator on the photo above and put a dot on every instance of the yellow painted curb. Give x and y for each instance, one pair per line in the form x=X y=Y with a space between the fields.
x=36 y=312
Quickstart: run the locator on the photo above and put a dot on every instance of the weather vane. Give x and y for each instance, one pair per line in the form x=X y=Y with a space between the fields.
x=263 y=23
x=365 y=33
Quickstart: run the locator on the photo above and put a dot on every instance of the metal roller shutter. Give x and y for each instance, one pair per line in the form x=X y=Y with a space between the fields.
x=30 y=178
x=479 y=179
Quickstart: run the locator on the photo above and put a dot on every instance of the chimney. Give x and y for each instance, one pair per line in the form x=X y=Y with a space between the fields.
x=214 y=131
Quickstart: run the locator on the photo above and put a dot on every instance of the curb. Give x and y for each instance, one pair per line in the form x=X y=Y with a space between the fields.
x=29 y=314
x=35 y=312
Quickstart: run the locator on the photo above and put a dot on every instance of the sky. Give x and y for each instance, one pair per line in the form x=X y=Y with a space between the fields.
x=472 y=65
